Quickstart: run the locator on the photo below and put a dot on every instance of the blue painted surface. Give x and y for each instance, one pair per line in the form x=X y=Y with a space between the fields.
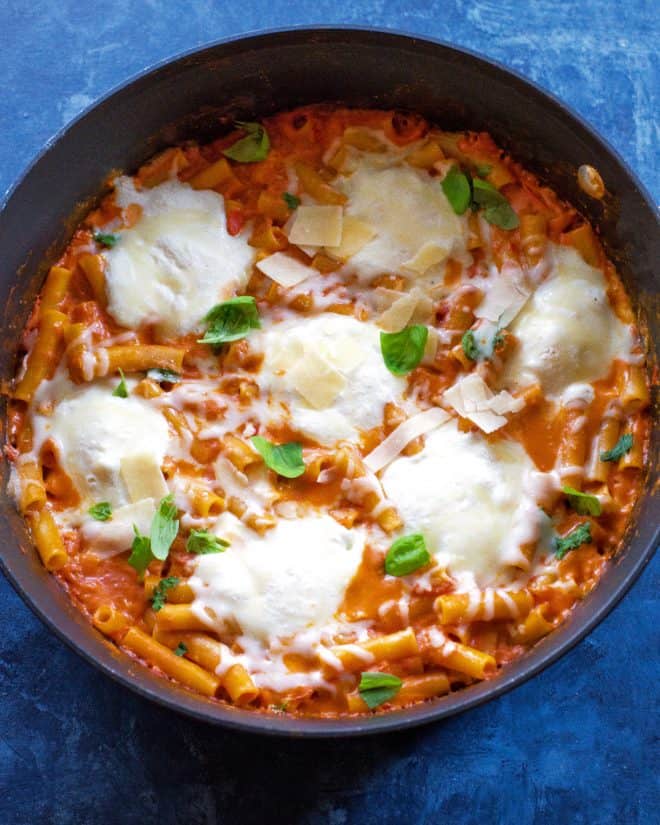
x=574 y=745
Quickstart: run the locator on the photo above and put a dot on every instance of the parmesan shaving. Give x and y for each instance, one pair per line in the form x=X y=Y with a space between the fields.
x=411 y=307
x=317 y=226
x=107 y=538
x=142 y=476
x=426 y=256
x=316 y=380
x=472 y=398
x=504 y=299
x=355 y=235
x=412 y=428
x=285 y=270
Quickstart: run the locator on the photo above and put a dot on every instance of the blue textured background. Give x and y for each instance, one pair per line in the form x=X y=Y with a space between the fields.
x=574 y=745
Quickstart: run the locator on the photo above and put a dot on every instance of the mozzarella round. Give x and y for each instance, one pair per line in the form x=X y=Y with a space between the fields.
x=274 y=586
x=94 y=430
x=176 y=262
x=330 y=374
x=416 y=228
x=464 y=495
x=567 y=332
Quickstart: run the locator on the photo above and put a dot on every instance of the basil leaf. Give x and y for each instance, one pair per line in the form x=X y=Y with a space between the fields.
x=622 y=446
x=106 y=239
x=231 y=320
x=101 y=511
x=159 y=596
x=290 y=200
x=582 y=503
x=469 y=344
x=251 y=148
x=180 y=649
x=406 y=555
x=285 y=459
x=164 y=376
x=121 y=390
x=402 y=351
x=456 y=187
x=376 y=688
x=164 y=528
x=497 y=209
x=141 y=554
x=577 y=537
x=202 y=542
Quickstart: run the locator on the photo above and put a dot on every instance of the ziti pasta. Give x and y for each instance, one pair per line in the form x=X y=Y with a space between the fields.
x=335 y=414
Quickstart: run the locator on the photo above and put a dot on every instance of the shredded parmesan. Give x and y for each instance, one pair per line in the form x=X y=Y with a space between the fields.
x=317 y=226
x=412 y=428
x=285 y=270
x=472 y=398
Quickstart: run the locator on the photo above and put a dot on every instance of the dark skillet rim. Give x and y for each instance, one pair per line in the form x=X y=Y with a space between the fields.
x=561 y=641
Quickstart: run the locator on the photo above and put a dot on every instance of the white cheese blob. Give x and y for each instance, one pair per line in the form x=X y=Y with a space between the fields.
x=274 y=586
x=330 y=373
x=463 y=494
x=177 y=261
x=416 y=228
x=568 y=332
x=94 y=430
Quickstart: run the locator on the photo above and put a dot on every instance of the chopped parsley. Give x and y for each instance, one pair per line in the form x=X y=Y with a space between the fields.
x=106 y=239
x=292 y=201
x=180 y=649
x=164 y=528
x=583 y=503
x=571 y=541
x=622 y=446
x=469 y=344
x=101 y=511
x=159 y=596
x=141 y=554
x=202 y=542
x=164 y=376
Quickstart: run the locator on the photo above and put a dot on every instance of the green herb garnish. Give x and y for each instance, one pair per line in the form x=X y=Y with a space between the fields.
x=164 y=528
x=285 y=459
x=483 y=169
x=580 y=535
x=101 y=511
x=456 y=187
x=583 y=503
x=469 y=344
x=106 y=239
x=496 y=208
x=376 y=688
x=402 y=351
x=180 y=649
x=121 y=390
x=406 y=555
x=202 y=542
x=231 y=320
x=292 y=201
x=159 y=596
x=251 y=148
x=164 y=376
x=141 y=554
x=622 y=446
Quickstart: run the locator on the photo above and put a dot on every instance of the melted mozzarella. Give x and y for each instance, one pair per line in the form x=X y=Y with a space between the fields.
x=465 y=495
x=568 y=331
x=176 y=262
x=94 y=431
x=274 y=586
x=416 y=228
x=330 y=373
